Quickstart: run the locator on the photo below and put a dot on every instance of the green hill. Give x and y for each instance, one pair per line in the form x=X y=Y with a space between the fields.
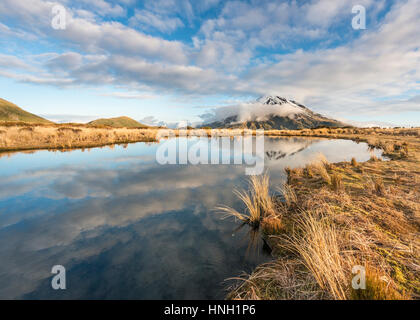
x=119 y=122
x=11 y=113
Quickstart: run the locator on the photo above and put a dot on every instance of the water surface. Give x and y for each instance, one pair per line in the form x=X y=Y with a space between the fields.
x=125 y=227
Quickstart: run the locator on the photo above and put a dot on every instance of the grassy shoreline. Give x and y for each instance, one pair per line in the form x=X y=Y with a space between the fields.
x=19 y=136
x=22 y=136
x=331 y=217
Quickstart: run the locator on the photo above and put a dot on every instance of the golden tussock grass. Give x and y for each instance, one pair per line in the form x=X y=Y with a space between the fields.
x=316 y=241
x=367 y=214
x=319 y=167
x=258 y=202
x=66 y=137
x=336 y=182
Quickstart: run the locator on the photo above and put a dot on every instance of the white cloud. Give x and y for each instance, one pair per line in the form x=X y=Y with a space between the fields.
x=65 y=62
x=66 y=118
x=128 y=95
x=381 y=63
x=182 y=8
x=8 y=61
x=152 y=121
x=371 y=66
x=253 y=111
x=103 y=7
x=149 y=20
x=93 y=37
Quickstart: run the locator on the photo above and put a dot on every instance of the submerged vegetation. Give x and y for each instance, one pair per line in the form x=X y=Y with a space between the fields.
x=330 y=218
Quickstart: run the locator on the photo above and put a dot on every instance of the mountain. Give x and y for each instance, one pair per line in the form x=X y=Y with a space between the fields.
x=11 y=112
x=274 y=112
x=119 y=122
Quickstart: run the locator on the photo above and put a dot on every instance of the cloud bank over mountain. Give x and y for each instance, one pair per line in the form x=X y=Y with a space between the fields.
x=253 y=111
x=307 y=50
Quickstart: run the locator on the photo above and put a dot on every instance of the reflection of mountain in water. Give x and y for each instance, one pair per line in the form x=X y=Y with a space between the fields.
x=288 y=147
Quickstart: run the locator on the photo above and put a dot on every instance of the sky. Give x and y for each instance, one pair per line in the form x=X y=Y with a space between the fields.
x=169 y=61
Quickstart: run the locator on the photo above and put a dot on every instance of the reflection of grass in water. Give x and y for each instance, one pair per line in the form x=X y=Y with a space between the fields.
x=260 y=212
x=256 y=243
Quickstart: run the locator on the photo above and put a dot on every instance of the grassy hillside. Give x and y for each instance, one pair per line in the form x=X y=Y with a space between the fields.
x=11 y=112
x=120 y=122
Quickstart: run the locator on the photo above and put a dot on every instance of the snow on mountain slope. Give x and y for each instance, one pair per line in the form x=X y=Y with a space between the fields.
x=269 y=112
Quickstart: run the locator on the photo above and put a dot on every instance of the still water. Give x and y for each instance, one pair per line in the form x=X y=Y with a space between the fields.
x=126 y=227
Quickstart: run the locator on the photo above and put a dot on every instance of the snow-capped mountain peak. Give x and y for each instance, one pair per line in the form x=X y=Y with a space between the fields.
x=277 y=100
x=269 y=112
x=271 y=100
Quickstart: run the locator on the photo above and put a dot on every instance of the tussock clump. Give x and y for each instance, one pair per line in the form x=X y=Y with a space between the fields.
x=272 y=225
x=374 y=158
x=288 y=171
x=378 y=187
x=289 y=195
x=336 y=182
x=319 y=167
x=309 y=172
x=283 y=279
x=316 y=241
x=258 y=202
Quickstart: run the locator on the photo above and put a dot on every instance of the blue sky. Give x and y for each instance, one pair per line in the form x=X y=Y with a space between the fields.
x=174 y=60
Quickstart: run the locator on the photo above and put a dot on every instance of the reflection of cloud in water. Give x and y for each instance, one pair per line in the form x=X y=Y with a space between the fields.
x=137 y=230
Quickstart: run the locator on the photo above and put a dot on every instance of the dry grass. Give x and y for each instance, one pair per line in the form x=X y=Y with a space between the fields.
x=22 y=136
x=378 y=287
x=378 y=187
x=319 y=167
x=282 y=279
x=315 y=241
x=258 y=203
x=373 y=221
x=65 y=137
x=336 y=182
x=289 y=196
x=374 y=158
